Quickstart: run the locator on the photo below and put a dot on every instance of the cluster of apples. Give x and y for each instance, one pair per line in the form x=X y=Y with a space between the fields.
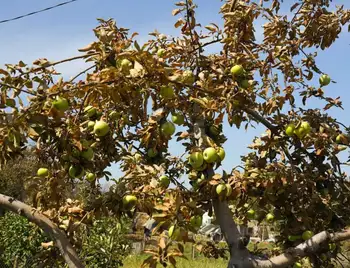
x=199 y=160
x=300 y=130
x=251 y=215
x=176 y=232
x=239 y=74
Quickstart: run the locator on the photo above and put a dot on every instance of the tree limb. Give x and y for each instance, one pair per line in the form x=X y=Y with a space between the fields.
x=310 y=246
x=61 y=241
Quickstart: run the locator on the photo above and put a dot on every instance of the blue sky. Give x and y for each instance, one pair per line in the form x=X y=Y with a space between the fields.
x=58 y=33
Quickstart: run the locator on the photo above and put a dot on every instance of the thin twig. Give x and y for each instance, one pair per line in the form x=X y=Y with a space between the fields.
x=17 y=88
x=82 y=72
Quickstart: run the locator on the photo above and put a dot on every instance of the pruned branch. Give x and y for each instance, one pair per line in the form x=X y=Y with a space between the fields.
x=61 y=241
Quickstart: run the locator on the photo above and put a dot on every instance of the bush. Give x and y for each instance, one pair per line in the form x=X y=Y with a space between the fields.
x=106 y=244
x=20 y=241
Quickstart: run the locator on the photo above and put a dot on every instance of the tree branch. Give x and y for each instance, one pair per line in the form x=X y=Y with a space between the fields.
x=310 y=246
x=61 y=241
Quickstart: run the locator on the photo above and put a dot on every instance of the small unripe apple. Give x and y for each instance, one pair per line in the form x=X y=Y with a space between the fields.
x=167 y=92
x=210 y=155
x=196 y=159
x=60 y=104
x=91 y=124
x=196 y=221
x=168 y=128
x=251 y=214
x=174 y=232
x=187 y=77
x=332 y=246
x=220 y=189
x=305 y=125
x=324 y=80
x=76 y=171
x=161 y=52
x=101 y=128
x=300 y=132
x=341 y=139
x=228 y=190
x=42 y=172
x=221 y=153
x=164 y=181
x=87 y=154
x=129 y=201
x=126 y=64
x=90 y=111
x=214 y=130
x=178 y=119
x=293 y=238
x=151 y=152
x=90 y=177
x=307 y=235
x=297 y=265
x=270 y=217
x=290 y=130
x=114 y=115
x=244 y=84
x=237 y=70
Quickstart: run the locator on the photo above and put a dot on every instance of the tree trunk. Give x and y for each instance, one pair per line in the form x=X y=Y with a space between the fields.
x=61 y=241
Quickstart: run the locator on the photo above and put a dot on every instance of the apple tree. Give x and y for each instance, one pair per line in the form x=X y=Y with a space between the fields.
x=136 y=98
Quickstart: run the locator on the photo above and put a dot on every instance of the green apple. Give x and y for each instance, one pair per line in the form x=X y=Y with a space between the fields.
x=214 y=130
x=174 y=232
x=76 y=171
x=151 y=152
x=168 y=128
x=300 y=132
x=270 y=217
x=10 y=103
x=220 y=189
x=90 y=111
x=87 y=154
x=228 y=190
x=221 y=153
x=210 y=155
x=305 y=125
x=251 y=214
x=178 y=119
x=90 y=177
x=290 y=130
x=297 y=265
x=42 y=172
x=114 y=115
x=237 y=70
x=332 y=246
x=307 y=235
x=91 y=124
x=341 y=139
x=137 y=157
x=167 y=92
x=101 y=128
x=196 y=221
x=196 y=159
x=294 y=238
x=129 y=201
x=324 y=80
x=126 y=64
x=244 y=84
x=60 y=104
x=161 y=52
x=164 y=181
x=202 y=167
x=187 y=77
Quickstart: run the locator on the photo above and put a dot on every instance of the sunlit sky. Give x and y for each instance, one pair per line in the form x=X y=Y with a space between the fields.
x=58 y=33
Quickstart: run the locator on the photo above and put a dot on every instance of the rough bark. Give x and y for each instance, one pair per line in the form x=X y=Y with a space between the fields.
x=59 y=237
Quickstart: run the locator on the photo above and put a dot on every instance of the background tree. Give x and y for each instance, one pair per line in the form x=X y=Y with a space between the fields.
x=123 y=109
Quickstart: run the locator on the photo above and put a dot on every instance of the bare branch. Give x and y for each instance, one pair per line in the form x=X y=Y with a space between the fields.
x=61 y=241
